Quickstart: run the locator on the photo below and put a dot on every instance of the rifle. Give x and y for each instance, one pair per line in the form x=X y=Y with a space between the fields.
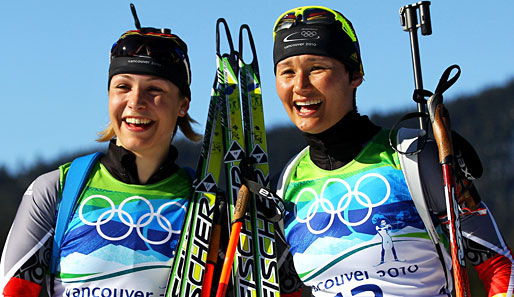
x=440 y=122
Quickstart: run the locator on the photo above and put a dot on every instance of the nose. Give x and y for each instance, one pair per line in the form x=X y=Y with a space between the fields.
x=136 y=99
x=301 y=82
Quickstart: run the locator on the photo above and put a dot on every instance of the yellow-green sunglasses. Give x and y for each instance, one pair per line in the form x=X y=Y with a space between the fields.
x=312 y=15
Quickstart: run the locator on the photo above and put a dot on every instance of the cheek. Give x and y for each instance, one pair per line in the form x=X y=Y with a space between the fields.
x=337 y=88
x=115 y=108
x=284 y=91
x=168 y=113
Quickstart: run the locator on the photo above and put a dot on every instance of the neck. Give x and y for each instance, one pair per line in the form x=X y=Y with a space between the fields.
x=341 y=143
x=148 y=161
x=147 y=165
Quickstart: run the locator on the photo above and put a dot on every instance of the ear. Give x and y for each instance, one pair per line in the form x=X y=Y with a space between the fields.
x=184 y=107
x=356 y=79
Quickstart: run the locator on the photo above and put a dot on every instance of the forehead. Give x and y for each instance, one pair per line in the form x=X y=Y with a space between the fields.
x=140 y=77
x=143 y=79
x=309 y=59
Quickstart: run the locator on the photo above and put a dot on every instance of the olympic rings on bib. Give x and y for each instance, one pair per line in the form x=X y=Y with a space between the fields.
x=325 y=205
x=126 y=218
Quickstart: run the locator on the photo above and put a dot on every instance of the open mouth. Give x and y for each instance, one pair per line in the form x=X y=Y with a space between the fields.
x=308 y=106
x=138 y=123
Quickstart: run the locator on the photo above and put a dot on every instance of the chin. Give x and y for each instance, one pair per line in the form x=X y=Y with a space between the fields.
x=311 y=128
x=133 y=145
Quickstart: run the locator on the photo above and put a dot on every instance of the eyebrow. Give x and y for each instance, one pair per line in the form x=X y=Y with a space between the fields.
x=284 y=63
x=148 y=77
x=318 y=59
x=309 y=59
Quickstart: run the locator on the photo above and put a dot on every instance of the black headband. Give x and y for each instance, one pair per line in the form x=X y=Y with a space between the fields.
x=174 y=72
x=317 y=39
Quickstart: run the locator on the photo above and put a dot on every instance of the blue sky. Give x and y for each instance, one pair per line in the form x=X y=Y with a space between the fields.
x=55 y=55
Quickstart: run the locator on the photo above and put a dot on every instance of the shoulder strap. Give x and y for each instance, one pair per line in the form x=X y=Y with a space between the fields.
x=74 y=183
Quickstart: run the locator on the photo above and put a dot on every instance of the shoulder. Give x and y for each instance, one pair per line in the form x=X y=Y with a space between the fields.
x=285 y=176
x=36 y=213
x=40 y=199
x=32 y=227
x=45 y=188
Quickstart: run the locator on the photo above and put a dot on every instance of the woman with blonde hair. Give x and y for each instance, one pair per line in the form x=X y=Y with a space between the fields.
x=125 y=224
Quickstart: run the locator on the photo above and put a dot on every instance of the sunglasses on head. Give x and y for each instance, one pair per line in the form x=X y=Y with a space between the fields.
x=160 y=46
x=312 y=15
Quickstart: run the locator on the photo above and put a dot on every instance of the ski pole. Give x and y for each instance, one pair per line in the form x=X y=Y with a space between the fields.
x=440 y=120
x=237 y=224
x=212 y=256
x=409 y=22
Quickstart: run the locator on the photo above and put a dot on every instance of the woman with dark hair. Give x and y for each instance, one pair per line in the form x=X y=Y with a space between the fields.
x=351 y=223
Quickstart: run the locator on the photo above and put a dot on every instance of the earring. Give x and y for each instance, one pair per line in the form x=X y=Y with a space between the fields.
x=182 y=112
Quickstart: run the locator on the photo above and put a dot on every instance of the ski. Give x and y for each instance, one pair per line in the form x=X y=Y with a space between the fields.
x=254 y=269
x=189 y=267
x=234 y=130
x=255 y=143
x=243 y=271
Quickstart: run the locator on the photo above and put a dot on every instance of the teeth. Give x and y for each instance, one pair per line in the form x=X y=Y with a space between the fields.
x=138 y=121
x=308 y=102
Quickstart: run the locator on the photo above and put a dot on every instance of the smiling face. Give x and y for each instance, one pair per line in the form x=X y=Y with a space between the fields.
x=143 y=110
x=316 y=91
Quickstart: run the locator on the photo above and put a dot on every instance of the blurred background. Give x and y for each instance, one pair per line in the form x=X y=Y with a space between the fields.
x=54 y=79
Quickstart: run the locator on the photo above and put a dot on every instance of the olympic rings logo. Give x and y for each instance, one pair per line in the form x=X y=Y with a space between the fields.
x=308 y=34
x=125 y=217
x=325 y=205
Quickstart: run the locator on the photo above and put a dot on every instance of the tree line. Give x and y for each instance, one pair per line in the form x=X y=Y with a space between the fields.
x=485 y=119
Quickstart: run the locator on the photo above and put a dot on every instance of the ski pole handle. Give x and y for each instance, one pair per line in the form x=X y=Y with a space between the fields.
x=441 y=129
x=237 y=224
x=241 y=203
x=439 y=116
